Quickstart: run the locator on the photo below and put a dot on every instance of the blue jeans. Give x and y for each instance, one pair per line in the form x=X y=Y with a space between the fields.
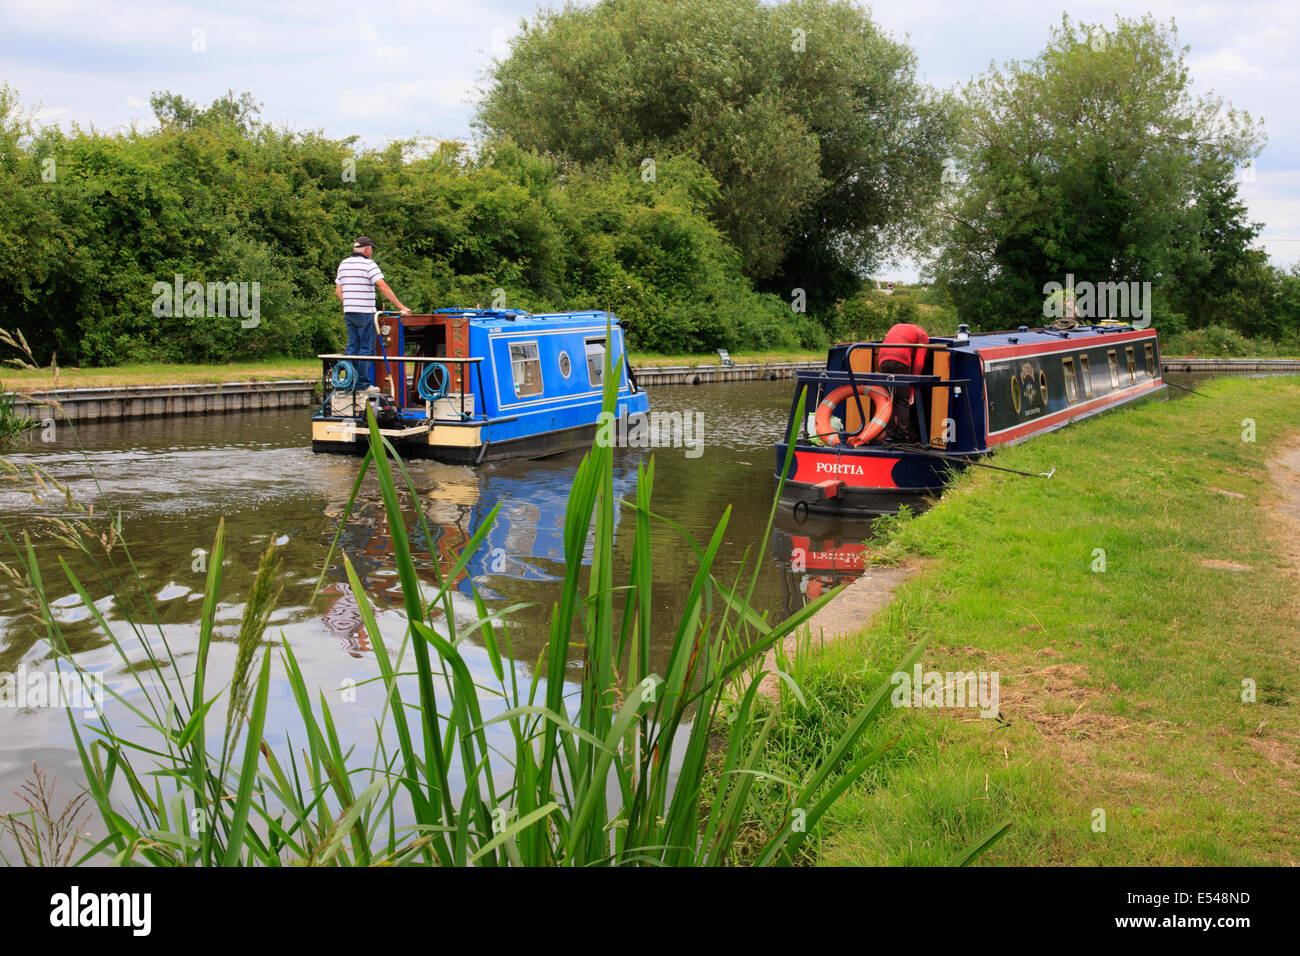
x=361 y=341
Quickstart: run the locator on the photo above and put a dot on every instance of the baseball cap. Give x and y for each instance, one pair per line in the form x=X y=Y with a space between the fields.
x=361 y=243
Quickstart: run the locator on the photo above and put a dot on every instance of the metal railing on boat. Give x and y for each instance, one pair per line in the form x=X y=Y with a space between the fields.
x=865 y=380
x=475 y=361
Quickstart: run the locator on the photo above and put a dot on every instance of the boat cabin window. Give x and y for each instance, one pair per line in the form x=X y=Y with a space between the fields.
x=1114 y=368
x=1087 y=376
x=1151 y=360
x=566 y=366
x=1015 y=393
x=596 y=361
x=1071 y=383
x=526 y=367
x=1132 y=364
x=1042 y=386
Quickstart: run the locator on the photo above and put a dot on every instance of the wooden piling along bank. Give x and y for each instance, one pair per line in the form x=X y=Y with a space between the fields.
x=149 y=401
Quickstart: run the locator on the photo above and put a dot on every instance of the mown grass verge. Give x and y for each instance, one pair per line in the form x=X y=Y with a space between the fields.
x=1125 y=739
x=40 y=379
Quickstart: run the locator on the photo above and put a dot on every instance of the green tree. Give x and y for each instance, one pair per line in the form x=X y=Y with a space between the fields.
x=1095 y=160
x=215 y=196
x=825 y=147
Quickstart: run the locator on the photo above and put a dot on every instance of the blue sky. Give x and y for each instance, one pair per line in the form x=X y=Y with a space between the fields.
x=400 y=69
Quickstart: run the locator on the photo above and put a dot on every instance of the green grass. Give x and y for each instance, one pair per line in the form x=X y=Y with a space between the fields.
x=29 y=379
x=1123 y=688
x=13 y=424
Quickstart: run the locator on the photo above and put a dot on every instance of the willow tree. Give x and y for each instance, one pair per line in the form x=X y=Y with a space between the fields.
x=826 y=148
x=1094 y=160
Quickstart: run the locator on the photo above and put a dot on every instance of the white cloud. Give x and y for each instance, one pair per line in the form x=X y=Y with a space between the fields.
x=1223 y=61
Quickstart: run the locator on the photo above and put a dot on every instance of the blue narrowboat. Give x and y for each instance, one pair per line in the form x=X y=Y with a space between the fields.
x=973 y=393
x=466 y=386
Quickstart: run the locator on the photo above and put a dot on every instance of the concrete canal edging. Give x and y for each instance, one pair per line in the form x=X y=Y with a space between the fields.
x=1230 y=365
x=704 y=374
x=846 y=614
x=148 y=401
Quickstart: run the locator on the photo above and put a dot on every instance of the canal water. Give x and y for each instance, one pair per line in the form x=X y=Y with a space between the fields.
x=172 y=480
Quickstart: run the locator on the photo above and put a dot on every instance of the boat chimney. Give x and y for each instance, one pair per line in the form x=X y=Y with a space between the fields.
x=963 y=333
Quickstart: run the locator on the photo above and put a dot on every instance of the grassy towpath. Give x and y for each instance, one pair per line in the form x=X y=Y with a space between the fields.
x=1142 y=612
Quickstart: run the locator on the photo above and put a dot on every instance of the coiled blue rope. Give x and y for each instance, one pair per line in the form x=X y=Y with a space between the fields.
x=344 y=377
x=426 y=389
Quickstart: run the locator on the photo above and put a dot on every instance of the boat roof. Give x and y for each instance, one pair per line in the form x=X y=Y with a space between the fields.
x=517 y=318
x=1027 y=336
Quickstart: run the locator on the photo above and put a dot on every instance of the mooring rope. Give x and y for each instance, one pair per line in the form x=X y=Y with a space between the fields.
x=942 y=456
x=1186 y=389
x=344 y=377
x=428 y=392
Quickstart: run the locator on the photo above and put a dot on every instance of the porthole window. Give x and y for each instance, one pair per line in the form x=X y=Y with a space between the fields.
x=1042 y=385
x=1015 y=393
x=566 y=366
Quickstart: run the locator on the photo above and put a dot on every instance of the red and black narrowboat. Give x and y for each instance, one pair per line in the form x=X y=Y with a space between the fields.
x=970 y=394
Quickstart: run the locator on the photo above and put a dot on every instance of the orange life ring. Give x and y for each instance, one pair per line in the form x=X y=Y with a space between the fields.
x=881 y=401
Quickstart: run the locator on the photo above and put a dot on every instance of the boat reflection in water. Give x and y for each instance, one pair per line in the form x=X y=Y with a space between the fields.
x=819 y=555
x=523 y=549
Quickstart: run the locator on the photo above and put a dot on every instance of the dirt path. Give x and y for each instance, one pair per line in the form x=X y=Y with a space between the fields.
x=1285 y=469
x=848 y=613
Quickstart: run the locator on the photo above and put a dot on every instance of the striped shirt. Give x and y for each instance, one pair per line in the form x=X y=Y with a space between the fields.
x=358 y=275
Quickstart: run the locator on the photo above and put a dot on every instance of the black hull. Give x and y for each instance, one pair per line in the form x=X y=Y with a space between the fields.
x=800 y=500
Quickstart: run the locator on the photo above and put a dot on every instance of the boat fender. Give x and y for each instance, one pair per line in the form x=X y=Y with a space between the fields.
x=881 y=401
